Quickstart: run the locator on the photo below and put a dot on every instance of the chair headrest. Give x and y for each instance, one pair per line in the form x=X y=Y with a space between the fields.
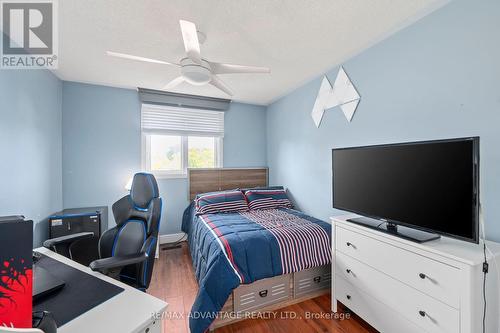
x=144 y=189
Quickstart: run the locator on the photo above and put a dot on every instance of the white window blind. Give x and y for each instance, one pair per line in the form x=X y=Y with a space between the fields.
x=181 y=121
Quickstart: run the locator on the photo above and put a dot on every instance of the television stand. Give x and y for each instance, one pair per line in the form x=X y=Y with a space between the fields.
x=397 y=285
x=411 y=234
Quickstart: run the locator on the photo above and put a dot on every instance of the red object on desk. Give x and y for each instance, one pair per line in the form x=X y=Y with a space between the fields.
x=16 y=272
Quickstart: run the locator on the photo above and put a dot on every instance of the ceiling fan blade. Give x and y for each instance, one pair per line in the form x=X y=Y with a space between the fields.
x=191 y=43
x=218 y=83
x=218 y=68
x=137 y=58
x=174 y=83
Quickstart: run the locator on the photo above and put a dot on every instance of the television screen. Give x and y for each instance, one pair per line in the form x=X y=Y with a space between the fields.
x=431 y=186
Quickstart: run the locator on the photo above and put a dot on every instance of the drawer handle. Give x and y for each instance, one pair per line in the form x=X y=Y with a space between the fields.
x=422 y=313
x=422 y=276
x=263 y=293
x=317 y=279
x=348 y=271
x=351 y=245
x=348 y=296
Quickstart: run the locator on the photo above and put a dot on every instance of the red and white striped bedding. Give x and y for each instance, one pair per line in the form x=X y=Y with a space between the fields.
x=303 y=244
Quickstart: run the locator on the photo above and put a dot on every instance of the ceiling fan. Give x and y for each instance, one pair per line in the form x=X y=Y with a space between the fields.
x=195 y=69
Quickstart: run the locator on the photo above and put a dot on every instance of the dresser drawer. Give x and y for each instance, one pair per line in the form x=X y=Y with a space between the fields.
x=312 y=279
x=377 y=314
x=431 y=277
x=427 y=312
x=262 y=293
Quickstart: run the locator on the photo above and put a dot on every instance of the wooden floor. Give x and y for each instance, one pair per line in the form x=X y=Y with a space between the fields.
x=173 y=281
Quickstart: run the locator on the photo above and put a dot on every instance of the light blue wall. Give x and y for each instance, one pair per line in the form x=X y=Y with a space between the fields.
x=439 y=78
x=101 y=143
x=30 y=146
x=245 y=136
x=102 y=147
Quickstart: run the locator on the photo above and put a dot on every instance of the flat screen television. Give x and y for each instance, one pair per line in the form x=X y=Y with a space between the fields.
x=416 y=190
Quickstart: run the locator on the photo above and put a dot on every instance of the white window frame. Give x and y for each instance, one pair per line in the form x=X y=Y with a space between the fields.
x=164 y=174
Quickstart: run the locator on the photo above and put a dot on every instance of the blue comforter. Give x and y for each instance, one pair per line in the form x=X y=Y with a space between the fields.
x=229 y=249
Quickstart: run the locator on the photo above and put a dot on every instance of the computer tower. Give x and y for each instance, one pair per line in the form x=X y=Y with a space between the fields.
x=76 y=220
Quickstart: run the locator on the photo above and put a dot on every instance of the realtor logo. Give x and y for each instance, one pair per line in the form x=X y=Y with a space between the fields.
x=29 y=38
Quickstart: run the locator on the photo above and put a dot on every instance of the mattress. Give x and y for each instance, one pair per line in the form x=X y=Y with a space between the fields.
x=230 y=249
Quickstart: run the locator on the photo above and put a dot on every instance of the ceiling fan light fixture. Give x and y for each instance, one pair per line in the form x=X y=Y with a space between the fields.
x=196 y=78
x=196 y=74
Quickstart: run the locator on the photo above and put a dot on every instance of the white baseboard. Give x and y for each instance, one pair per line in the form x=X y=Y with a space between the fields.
x=171 y=238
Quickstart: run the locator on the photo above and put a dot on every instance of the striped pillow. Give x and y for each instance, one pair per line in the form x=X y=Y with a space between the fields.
x=221 y=202
x=267 y=199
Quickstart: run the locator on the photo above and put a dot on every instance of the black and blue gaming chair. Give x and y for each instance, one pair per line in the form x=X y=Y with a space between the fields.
x=127 y=251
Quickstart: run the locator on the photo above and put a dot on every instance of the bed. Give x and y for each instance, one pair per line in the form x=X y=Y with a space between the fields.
x=253 y=260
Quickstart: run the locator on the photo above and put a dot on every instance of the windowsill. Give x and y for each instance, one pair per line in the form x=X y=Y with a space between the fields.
x=163 y=175
x=160 y=176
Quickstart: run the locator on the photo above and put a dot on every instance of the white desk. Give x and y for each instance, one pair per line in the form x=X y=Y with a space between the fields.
x=129 y=311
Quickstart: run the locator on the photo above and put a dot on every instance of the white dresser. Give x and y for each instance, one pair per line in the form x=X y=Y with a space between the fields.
x=401 y=286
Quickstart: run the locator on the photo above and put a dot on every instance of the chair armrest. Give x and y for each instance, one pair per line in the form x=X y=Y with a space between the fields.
x=51 y=243
x=106 y=264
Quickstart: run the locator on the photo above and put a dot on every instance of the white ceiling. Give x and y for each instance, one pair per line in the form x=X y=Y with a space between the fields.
x=297 y=39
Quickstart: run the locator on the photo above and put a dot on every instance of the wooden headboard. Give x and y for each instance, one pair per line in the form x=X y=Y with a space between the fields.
x=210 y=180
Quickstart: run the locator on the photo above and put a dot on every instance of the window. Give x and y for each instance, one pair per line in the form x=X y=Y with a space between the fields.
x=175 y=139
